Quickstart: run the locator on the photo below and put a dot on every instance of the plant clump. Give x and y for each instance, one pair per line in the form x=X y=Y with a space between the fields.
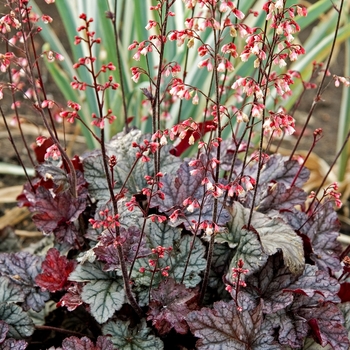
x=196 y=234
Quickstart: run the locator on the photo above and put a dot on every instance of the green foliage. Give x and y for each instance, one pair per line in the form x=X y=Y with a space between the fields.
x=321 y=16
x=127 y=338
x=104 y=292
x=222 y=250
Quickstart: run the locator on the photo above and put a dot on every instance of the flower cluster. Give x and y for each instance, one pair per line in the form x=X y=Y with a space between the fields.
x=159 y=253
x=330 y=192
x=107 y=221
x=236 y=281
x=165 y=224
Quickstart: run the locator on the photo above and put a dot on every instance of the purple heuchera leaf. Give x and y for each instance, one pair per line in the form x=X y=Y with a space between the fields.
x=169 y=306
x=22 y=268
x=310 y=315
x=3 y=330
x=12 y=344
x=291 y=328
x=228 y=149
x=72 y=299
x=106 y=249
x=314 y=281
x=56 y=210
x=279 y=169
x=322 y=230
x=278 y=287
x=74 y=343
x=326 y=322
x=268 y=284
x=181 y=186
x=224 y=327
x=276 y=196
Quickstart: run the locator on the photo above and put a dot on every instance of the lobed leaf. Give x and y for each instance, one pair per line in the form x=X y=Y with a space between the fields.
x=89 y=272
x=278 y=287
x=276 y=196
x=322 y=230
x=273 y=233
x=323 y=320
x=56 y=270
x=104 y=291
x=13 y=344
x=19 y=323
x=181 y=186
x=125 y=338
x=74 y=343
x=291 y=328
x=268 y=284
x=188 y=254
x=326 y=323
x=246 y=243
x=168 y=307
x=120 y=146
x=281 y=170
x=54 y=207
x=21 y=269
x=106 y=249
x=72 y=299
x=10 y=292
x=186 y=260
x=225 y=328
x=4 y=328
x=314 y=281
x=104 y=298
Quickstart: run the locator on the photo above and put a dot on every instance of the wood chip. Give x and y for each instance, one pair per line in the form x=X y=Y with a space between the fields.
x=28 y=234
x=13 y=217
x=9 y=194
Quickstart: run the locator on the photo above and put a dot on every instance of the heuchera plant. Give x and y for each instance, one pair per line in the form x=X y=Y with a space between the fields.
x=147 y=249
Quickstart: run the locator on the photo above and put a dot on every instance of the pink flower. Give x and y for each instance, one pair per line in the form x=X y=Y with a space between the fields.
x=221 y=67
x=239 y=14
x=151 y=24
x=59 y=56
x=257 y=110
x=47 y=104
x=52 y=152
x=98 y=122
x=46 y=19
x=40 y=140
x=74 y=105
x=135 y=74
x=302 y=11
x=173 y=217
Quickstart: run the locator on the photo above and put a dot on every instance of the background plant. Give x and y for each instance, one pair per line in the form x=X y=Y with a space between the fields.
x=149 y=248
x=321 y=16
